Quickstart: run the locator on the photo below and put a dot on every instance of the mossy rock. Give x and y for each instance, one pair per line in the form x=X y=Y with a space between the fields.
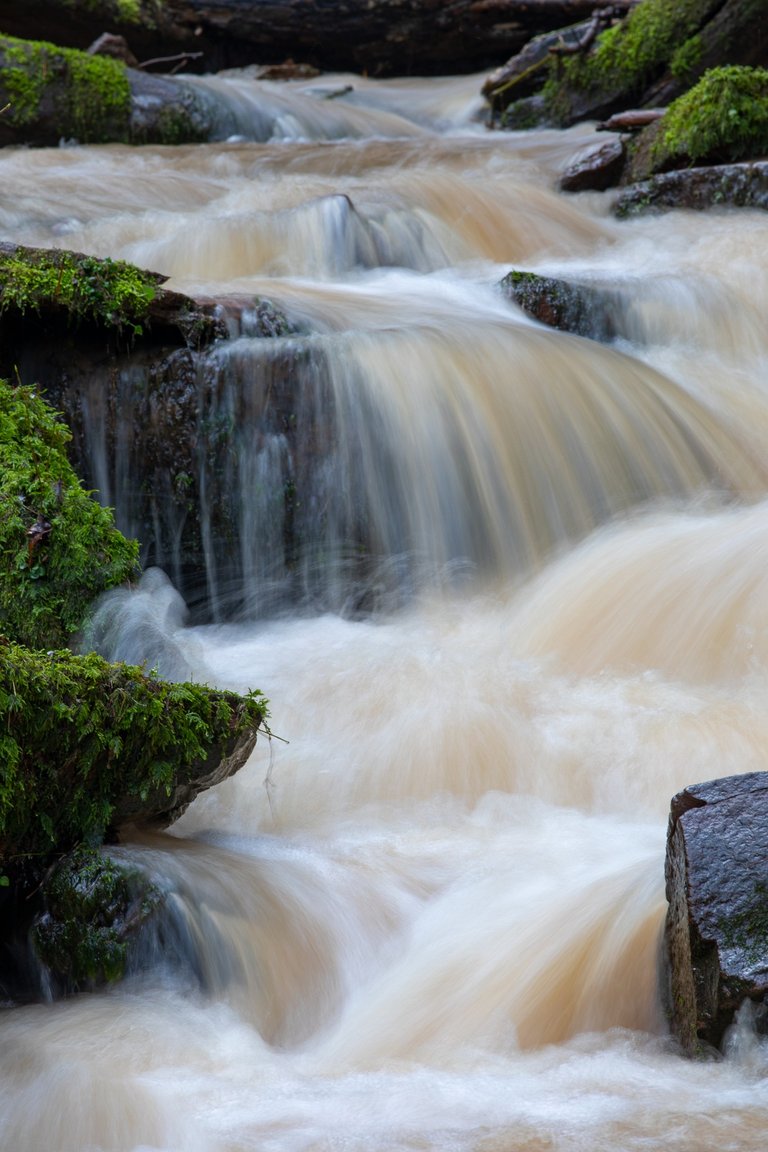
x=50 y=94
x=721 y=120
x=78 y=95
x=626 y=59
x=60 y=548
x=87 y=746
x=88 y=288
x=93 y=910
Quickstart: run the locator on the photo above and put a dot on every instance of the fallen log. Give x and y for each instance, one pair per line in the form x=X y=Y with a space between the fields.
x=381 y=37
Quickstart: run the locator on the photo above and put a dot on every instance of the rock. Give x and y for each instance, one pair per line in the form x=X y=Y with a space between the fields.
x=526 y=72
x=595 y=170
x=92 y=910
x=578 y=308
x=623 y=65
x=716 y=932
x=722 y=120
x=725 y=185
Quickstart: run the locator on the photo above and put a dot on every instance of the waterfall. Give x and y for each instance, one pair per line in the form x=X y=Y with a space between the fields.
x=505 y=590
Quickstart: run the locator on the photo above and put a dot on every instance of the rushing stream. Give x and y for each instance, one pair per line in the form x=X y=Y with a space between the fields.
x=428 y=917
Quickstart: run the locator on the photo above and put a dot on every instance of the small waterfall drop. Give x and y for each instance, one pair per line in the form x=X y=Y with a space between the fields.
x=505 y=590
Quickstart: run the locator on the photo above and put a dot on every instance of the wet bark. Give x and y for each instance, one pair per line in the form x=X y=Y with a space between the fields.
x=382 y=37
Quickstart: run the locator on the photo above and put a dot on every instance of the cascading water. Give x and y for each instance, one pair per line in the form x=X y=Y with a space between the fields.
x=527 y=605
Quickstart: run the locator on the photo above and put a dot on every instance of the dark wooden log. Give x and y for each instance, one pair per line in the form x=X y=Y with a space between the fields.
x=380 y=37
x=632 y=120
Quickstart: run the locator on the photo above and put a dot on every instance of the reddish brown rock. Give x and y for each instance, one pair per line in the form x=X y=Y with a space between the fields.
x=596 y=170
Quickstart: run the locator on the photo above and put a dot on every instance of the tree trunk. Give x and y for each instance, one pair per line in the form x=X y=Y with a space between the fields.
x=380 y=37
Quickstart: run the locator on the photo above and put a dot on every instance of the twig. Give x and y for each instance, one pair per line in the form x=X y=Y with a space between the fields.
x=180 y=58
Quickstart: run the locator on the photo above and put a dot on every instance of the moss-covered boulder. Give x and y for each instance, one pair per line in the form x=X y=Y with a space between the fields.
x=51 y=94
x=651 y=57
x=92 y=910
x=59 y=549
x=86 y=288
x=721 y=120
x=87 y=747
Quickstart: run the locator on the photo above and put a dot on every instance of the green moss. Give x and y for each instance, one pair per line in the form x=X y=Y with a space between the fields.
x=629 y=55
x=723 y=118
x=92 y=907
x=686 y=60
x=117 y=11
x=59 y=549
x=82 y=739
x=90 y=95
x=107 y=291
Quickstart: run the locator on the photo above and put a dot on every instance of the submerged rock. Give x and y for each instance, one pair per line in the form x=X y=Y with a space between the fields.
x=716 y=933
x=92 y=909
x=578 y=308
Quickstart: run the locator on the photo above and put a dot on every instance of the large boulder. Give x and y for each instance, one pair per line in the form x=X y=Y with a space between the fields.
x=716 y=933
x=658 y=52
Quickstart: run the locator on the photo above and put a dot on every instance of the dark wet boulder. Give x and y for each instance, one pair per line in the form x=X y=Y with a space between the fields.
x=583 y=309
x=596 y=169
x=716 y=932
x=720 y=186
x=526 y=72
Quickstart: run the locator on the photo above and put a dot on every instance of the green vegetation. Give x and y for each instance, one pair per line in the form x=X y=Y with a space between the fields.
x=630 y=54
x=59 y=549
x=93 y=906
x=111 y=12
x=90 y=95
x=85 y=744
x=107 y=291
x=722 y=118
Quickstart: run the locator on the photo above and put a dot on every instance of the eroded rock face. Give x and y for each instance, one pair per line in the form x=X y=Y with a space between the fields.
x=716 y=932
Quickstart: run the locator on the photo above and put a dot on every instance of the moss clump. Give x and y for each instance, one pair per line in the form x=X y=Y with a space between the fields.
x=108 y=292
x=59 y=549
x=629 y=55
x=90 y=95
x=116 y=11
x=93 y=906
x=85 y=745
x=723 y=118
